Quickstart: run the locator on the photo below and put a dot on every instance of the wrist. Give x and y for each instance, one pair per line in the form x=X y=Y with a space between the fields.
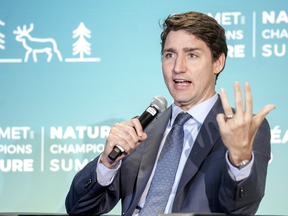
x=243 y=164
x=240 y=161
x=107 y=162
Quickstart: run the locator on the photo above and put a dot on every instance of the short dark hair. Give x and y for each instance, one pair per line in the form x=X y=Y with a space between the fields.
x=202 y=26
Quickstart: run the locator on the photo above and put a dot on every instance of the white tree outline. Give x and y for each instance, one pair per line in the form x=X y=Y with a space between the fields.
x=82 y=46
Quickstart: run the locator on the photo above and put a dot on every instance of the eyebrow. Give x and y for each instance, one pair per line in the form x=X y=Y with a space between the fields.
x=186 y=49
x=190 y=49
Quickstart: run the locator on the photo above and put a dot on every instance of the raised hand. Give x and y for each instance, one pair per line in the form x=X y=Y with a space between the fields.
x=238 y=132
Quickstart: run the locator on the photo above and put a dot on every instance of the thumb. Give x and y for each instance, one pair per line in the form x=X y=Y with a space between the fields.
x=143 y=137
x=262 y=113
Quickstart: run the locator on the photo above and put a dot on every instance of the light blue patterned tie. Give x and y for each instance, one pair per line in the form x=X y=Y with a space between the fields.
x=166 y=169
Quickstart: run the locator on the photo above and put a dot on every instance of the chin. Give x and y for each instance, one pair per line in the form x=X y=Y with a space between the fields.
x=180 y=102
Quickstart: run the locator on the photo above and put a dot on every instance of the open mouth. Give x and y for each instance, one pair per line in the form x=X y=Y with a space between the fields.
x=182 y=82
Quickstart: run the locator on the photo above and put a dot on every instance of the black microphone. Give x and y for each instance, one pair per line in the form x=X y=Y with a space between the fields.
x=158 y=104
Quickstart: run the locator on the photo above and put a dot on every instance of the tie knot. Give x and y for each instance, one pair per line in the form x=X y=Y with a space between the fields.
x=181 y=119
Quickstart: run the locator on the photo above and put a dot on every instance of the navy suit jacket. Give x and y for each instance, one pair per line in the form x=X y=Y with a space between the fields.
x=205 y=185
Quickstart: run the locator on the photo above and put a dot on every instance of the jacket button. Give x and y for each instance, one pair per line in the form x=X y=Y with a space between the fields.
x=87 y=183
x=241 y=192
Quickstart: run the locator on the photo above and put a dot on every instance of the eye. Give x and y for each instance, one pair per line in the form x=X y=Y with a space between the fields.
x=192 y=55
x=169 y=55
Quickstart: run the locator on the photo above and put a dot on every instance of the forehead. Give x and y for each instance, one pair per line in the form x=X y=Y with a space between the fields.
x=182 y=38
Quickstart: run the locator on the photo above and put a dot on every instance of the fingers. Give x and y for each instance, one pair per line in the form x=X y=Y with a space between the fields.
x=248 y=102
x=225 y=102
x=238 y=102
x=221 y=122
x=137 y=126
x=248 y=113
x=240 y=114
x=249 y=107
x=127 y=135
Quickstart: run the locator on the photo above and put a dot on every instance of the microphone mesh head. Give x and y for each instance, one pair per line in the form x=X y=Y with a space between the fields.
x=159 y=102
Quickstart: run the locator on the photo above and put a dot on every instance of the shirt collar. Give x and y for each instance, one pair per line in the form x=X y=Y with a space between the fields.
x=199 y=112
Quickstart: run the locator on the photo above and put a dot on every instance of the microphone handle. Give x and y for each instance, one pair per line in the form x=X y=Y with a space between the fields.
x=147 y=116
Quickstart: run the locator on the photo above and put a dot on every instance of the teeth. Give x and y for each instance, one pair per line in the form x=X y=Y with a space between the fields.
x=179 y=80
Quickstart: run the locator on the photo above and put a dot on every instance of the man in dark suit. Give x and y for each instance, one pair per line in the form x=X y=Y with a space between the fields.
x=225 y=152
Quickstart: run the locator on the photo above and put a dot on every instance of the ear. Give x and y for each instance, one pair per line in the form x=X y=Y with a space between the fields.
x=219 y=64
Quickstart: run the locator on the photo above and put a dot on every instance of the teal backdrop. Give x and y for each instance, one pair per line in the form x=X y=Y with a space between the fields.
x=69 y=70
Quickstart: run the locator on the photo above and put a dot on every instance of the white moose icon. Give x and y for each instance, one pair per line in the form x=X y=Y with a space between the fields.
x=32 y=44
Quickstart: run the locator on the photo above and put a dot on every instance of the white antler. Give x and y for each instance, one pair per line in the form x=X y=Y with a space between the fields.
x=31 y=28
x=25 y=31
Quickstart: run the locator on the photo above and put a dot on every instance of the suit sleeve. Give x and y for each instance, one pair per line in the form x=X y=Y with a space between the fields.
x=87 y=197
x=244 y=197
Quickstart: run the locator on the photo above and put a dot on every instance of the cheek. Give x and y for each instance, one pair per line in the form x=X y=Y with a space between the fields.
x=166 y=79
x=197 y=75
x=204 y=74
x=165 y=73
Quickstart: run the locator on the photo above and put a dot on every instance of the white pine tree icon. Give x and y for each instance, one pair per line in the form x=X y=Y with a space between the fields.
x=81 y=46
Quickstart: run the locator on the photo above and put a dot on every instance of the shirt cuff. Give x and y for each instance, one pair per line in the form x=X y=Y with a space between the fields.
x=105 y=176
x=239 y=174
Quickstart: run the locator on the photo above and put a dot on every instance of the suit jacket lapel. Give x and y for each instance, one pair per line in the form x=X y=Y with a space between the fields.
x=207 y=137
x=151 y=145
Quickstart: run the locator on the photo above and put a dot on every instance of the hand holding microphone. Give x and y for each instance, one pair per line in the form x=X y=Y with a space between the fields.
x=158 y=104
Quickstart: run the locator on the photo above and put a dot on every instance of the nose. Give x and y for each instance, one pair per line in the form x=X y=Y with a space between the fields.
x=180 y=64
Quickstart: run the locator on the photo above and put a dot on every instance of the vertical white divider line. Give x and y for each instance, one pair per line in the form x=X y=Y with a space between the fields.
x=42 y=149
x=254 y=34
